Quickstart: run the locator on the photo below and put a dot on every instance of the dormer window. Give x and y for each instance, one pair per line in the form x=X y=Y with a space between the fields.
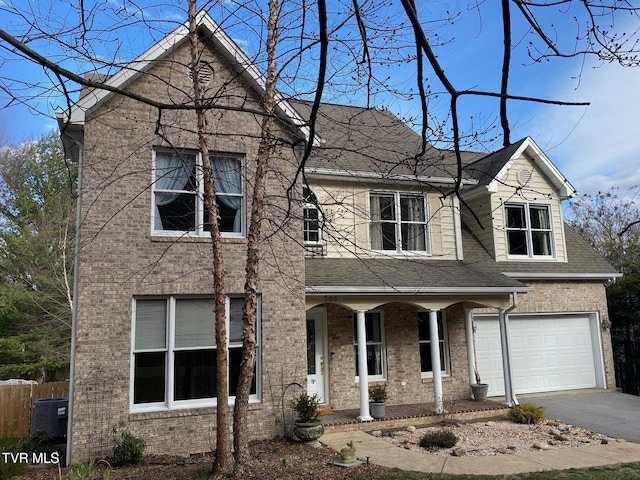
x=398 y=222
x=529 y=231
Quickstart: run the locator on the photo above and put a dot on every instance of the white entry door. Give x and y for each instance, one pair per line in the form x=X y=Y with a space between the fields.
x=316 y=354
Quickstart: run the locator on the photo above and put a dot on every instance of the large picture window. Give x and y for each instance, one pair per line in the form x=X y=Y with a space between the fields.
x=398 y=222
x=178 y=193
x=174 y=352
x=375 y=344
x=529 y=230
x=424 y=338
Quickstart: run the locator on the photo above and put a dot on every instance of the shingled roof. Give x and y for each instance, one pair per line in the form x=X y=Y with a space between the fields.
x=477 y=272
x=355 y=139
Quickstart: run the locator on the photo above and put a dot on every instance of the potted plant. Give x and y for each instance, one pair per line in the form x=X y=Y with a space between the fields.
x=308 y=428
x=479 y=389
x=377 y=396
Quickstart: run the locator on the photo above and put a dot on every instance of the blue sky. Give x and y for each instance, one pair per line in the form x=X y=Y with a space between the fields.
x=596 y=147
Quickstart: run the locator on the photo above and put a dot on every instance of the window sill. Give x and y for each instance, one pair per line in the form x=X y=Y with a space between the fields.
x=186 y=410
x=446 y=377
x=536 y=258
x=193 y=239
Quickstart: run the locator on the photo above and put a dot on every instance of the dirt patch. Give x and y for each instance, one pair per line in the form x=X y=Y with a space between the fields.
x=277 y=459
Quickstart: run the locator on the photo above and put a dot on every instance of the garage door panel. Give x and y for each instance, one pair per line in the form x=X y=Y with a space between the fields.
x=547 y=353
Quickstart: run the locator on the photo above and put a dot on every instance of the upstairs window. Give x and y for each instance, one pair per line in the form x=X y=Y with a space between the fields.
x=312 y=220
x=178 y=194
x=398 y=222
x=529 y=230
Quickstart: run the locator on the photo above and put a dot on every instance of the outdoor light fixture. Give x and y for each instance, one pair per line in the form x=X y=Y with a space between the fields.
x=605 y=323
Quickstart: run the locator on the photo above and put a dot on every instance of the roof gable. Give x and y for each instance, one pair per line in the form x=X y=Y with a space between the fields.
x=492 y=169
x=223 y=43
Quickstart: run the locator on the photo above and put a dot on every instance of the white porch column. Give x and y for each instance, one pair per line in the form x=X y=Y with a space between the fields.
x=509 y=394
x=471 y=354
x=362 y=366
x=435 y=361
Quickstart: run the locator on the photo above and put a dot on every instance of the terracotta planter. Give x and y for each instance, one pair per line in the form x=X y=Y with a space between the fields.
x=479 y=391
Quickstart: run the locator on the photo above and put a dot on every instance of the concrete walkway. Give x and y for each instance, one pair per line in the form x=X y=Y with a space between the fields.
x=382 y=453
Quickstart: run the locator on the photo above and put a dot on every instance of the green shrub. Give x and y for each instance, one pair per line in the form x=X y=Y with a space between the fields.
x=528 y=413
x=438 y=439
x=8 y=468
x=39 y=441
x=306 y=407
x=127 y=448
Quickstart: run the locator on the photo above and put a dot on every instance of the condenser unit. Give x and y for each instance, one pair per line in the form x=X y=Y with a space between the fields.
x=50 y=415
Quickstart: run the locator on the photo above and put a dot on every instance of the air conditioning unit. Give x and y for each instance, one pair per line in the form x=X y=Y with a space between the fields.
x=50 y=415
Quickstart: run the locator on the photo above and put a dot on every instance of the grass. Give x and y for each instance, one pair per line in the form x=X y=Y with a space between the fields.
x=628 y=471
x=6 y=443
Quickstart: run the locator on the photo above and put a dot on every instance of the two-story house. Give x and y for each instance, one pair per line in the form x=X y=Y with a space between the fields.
x=383 y=275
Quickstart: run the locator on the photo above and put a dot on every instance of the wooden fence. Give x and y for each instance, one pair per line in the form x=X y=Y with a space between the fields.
x=16 y=402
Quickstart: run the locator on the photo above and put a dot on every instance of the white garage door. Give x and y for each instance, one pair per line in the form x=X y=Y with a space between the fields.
x=548 y=353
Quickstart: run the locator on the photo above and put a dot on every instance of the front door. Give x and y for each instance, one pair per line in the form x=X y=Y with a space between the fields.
x=316 y=354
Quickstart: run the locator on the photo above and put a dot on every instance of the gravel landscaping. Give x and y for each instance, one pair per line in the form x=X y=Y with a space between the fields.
x=498 y=437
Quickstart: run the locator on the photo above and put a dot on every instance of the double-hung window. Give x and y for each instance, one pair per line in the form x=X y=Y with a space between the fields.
x=398 y=222
x=424 y=338
x=178 y=194
x=375 y=345
x=174 y=352
x=529 y=230
x=312 y=219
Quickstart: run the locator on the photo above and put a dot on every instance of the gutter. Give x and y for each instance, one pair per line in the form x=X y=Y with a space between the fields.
x=350 y=290
x=329 y=173
x=606 y=277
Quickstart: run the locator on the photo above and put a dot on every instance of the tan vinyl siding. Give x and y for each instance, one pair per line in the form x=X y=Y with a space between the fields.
x=483 y=230
x=346 y=213
x=539 y=191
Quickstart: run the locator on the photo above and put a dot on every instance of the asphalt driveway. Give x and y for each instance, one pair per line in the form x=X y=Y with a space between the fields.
x=610 y=413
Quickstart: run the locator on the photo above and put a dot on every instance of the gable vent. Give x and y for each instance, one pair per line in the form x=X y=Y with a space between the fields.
x=524 y=176
x=205 y=73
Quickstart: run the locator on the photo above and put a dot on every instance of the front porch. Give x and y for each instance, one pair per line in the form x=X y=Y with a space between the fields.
x=417 y=414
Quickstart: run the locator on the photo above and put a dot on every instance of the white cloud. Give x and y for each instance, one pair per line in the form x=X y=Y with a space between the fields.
x=597 y=146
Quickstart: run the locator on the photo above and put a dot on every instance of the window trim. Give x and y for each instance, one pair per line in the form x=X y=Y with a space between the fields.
x=398 y=222
x=170 y=348
x=200 y=231
x=529 y=231
x=383 y=349
x=309 y=205
x=445 y=367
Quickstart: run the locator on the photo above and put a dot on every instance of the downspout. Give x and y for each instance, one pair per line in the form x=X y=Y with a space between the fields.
x=74 y=310
x=457 y=228
x=509 y=394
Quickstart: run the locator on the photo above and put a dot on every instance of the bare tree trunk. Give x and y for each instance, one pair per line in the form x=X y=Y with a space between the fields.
x=223 y=464
x=249 y=318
